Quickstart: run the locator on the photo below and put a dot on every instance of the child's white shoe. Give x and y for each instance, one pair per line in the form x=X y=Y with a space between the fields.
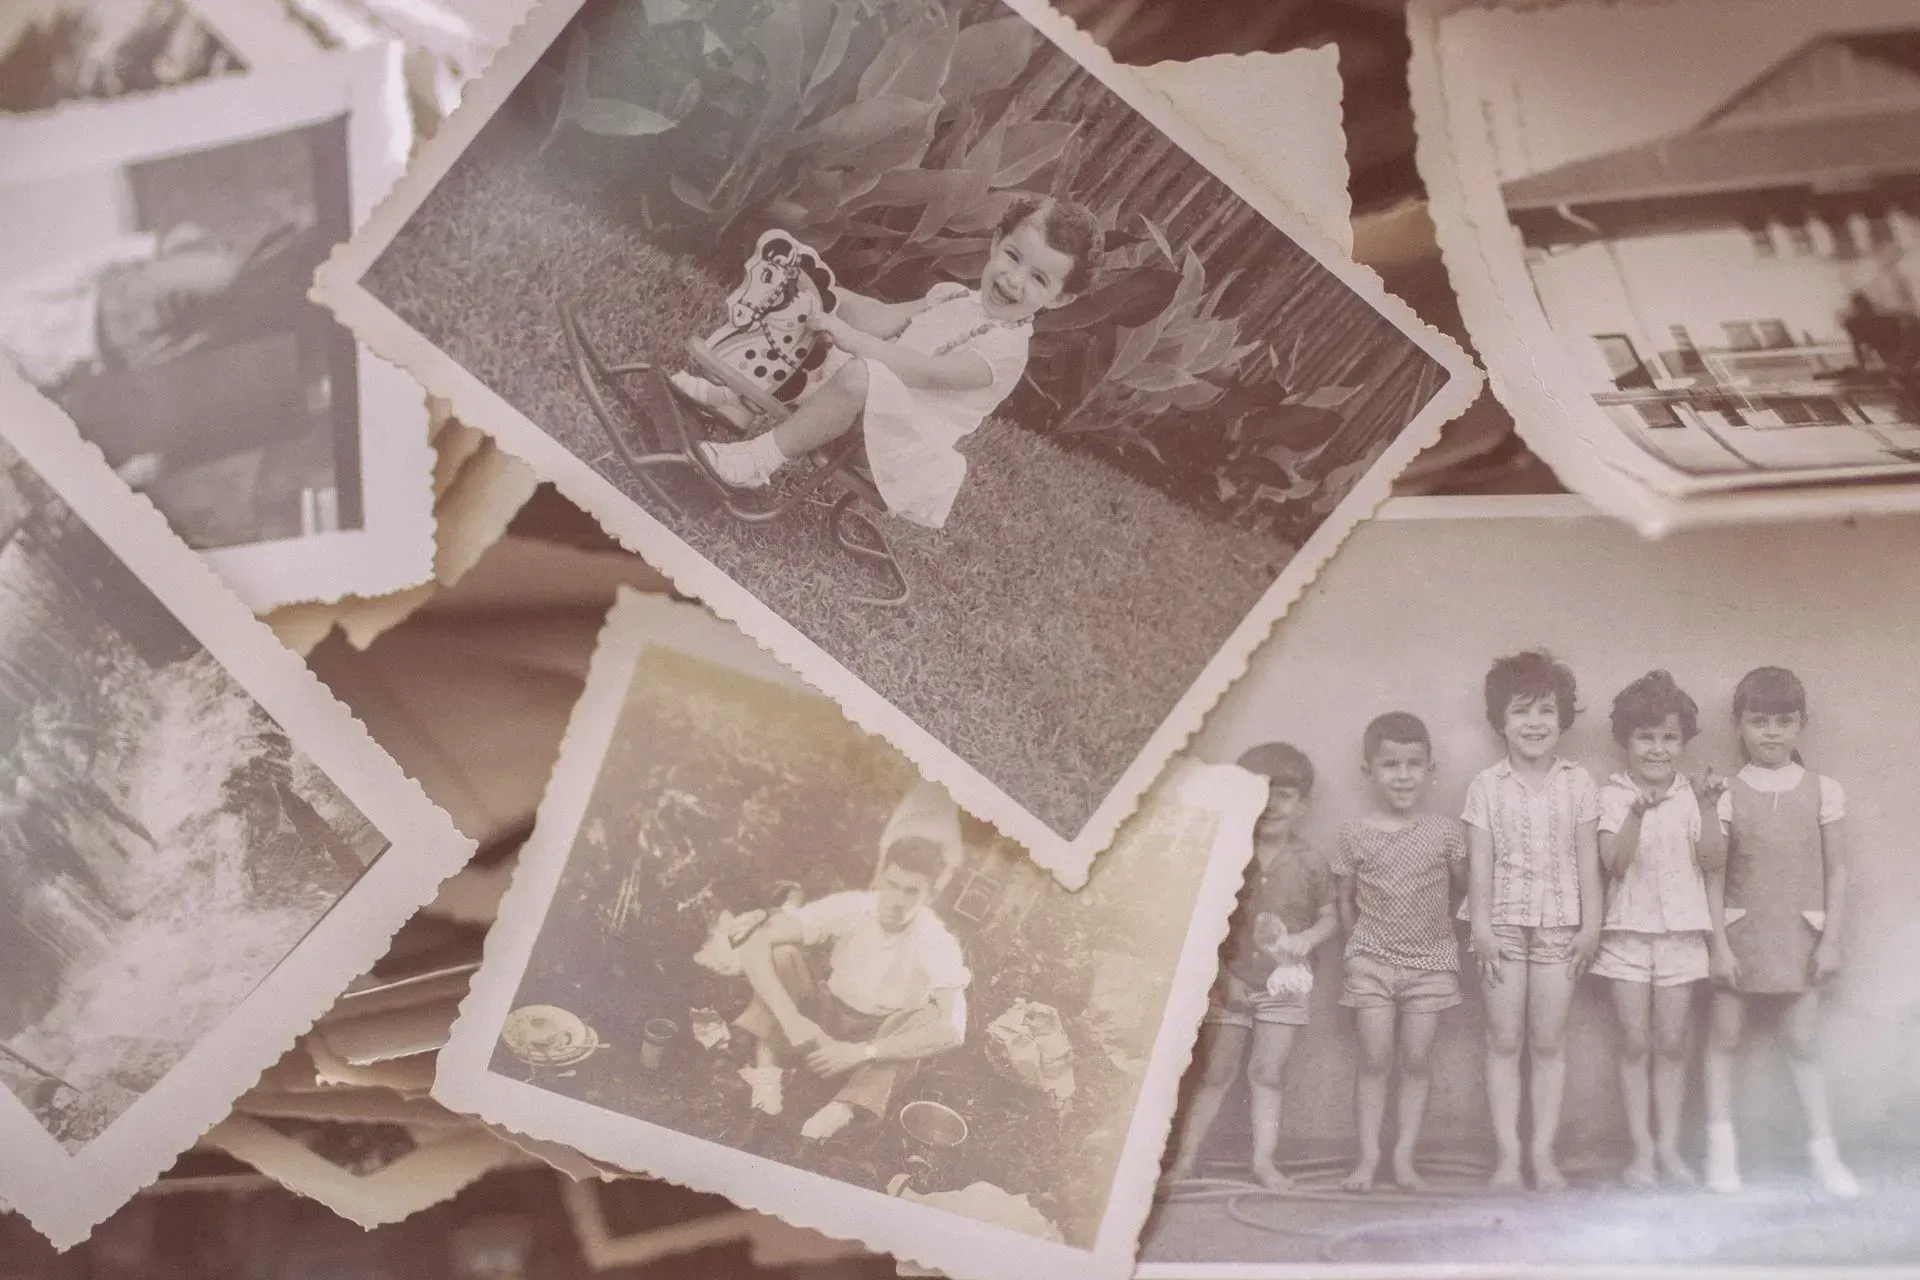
x=744 y=464
x=765 y=1083
x=1723 y=1160
x=713 y=397
x=1835 y=1178
x=827 y=1121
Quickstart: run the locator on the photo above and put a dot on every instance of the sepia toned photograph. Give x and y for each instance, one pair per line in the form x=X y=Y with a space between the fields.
x=923 y=343
x=55 y=51
x=155 y=287
x=371 y=1173
x=1725 y=268
x=748 y=950
x=198 y=848
x=1578 y=931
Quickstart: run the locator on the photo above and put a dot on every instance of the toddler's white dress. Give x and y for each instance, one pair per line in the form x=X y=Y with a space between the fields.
x=912 y=432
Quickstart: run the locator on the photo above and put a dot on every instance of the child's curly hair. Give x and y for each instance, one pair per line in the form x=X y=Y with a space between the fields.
x=1068 y=227
x=1530 y=675
x=1648 y=701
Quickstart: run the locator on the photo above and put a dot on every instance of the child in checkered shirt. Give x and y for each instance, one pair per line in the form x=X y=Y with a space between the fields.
x=1266 y=981
x=1399 y=871
x=1534 y=899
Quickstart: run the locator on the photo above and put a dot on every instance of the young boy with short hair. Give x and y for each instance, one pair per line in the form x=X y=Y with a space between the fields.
x=1266 y=981
x=1399 y=870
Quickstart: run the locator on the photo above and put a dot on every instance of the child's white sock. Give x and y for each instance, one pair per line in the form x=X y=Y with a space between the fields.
x=745 y=464
x=1723 y=1159
x=1835 y=1178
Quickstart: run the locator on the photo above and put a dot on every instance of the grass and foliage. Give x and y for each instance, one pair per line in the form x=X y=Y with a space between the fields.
x=711 y=781
x=1057 y=582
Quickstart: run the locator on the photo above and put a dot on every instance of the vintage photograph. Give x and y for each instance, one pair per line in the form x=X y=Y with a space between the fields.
x=155 y=287
x=923 y=343
x=370 y=1173
x=185 y=818
x=1579 y=929
x=749 y=950
x=1726 y=267
x=55 y=51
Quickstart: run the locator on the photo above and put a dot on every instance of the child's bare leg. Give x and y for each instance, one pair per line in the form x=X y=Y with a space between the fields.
x=1506 y=1034
x=1266 y=1075
x=1376 y=1028
x=1416 y=1060
x=1633 y=1007
x=1723 y=1042
x=1222 y=1046
x=1549 y=999
x=1800 y=1029
x=1672 y=1020
x=826 y=414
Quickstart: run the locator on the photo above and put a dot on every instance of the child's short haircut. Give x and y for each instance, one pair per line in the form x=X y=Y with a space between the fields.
x=1284 y=765
x=1530 y=675
x=918 y=855
x=1068 y=227
x=1769 y=691
x=1646 y=704
x=1395 y=726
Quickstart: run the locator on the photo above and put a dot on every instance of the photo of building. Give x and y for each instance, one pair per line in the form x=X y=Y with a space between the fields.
x=1740 y=294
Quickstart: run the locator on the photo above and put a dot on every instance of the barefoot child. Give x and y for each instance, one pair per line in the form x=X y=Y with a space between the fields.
x=1533 y=899
x=1399 y=870
x=918 y=377
x=1656 y=856
x=1286 y=910
x=1776 y=939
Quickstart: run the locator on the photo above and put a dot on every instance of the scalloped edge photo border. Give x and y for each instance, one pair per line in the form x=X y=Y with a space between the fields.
x=65 y=1195
x=1069 y=857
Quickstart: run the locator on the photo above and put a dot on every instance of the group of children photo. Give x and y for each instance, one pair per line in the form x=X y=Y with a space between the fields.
x=1656 y=880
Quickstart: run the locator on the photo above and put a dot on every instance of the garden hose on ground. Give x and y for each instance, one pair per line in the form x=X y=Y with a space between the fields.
x=1317 y=1179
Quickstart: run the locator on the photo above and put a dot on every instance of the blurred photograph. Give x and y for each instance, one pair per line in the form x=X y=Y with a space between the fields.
x=1726 y=268
x=155 y=288
x=197 y=845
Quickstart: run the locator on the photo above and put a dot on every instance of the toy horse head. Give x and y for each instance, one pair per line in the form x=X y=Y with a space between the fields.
x=769 y=339
x=784 y=281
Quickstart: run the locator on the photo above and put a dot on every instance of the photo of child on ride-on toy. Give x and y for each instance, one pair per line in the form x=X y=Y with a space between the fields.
x=915 y=377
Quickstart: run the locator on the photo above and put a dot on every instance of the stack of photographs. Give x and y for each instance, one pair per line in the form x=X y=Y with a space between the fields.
x=1039 y=808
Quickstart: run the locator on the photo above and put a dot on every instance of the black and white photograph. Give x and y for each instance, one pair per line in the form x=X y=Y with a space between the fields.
x=1716 y=278
x=55 y=51
x=750 y=951
x=198 y=847
x=1580 y=925
x=925 y=344
x=154 y=285
x=371 y=1173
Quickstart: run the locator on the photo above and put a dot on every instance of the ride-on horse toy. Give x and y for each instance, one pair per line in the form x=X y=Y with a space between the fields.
x=767 y=355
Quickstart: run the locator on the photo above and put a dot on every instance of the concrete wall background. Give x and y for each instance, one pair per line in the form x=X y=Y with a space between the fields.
x=1410 y=615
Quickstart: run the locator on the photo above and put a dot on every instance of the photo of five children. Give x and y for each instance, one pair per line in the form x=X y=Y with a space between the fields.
x=1656 y=880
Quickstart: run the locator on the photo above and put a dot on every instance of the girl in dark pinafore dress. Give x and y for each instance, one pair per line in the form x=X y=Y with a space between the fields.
x=1776 y=917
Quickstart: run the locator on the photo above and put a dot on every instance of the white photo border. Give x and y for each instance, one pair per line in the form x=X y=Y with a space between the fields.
x=394 y=546
x=338 y=285
x=65 y=1195
x=960 y=1247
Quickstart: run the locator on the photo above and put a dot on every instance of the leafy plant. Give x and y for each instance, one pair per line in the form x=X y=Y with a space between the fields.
x=601 y=116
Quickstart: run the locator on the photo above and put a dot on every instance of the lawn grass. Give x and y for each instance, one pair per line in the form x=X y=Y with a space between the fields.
x=1056 y=619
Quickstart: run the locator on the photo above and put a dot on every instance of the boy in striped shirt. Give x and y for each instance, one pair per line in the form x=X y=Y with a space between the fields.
x=1399 y=870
